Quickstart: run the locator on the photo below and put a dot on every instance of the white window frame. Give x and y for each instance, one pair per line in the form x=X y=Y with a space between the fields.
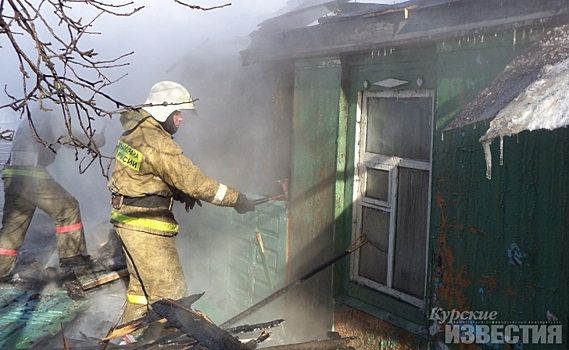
x=390 y=164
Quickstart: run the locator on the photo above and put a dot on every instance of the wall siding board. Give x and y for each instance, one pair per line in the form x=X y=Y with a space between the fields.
x=311 y=215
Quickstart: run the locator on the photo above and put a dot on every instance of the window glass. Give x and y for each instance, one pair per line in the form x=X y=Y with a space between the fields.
x=393 y=205
x=398 y=127
x=377 y=185
x=411 y=239
x=373 y=261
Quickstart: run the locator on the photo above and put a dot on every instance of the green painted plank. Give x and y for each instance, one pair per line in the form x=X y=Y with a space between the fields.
x=27 y=316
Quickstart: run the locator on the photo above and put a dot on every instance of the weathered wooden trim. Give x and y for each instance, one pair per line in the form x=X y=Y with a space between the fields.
x=360 y=34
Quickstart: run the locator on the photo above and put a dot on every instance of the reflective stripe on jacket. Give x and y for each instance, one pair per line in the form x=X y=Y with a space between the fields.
x=137 y=299
x=9 y=172
x=143 y=224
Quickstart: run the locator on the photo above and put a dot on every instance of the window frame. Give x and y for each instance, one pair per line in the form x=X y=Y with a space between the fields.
x=362 y=162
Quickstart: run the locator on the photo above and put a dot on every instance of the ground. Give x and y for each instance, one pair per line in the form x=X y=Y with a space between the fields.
x=41 y=300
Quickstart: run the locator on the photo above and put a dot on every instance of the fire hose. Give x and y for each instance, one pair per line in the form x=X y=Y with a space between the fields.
x=359 y=242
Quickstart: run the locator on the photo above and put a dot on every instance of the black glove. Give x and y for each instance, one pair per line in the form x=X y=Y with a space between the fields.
x=243 y=204
x=189 y=201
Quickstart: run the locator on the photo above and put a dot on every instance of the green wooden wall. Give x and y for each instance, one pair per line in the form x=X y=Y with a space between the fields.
x=311 y=213
x=477 y=225
x=496 y=245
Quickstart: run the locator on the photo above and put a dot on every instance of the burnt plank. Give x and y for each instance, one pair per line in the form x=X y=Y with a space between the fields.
x=207 y=334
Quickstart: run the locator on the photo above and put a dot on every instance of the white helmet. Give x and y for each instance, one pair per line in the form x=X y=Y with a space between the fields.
x=167 y=97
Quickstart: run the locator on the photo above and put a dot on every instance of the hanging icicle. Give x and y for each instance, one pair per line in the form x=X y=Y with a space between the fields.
x=442 y=136
x=514 y=40
x=501 y=150
x=488 y=158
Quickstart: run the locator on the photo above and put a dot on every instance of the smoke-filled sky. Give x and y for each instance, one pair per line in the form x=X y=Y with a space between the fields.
x=169 y=41
x=160 y=35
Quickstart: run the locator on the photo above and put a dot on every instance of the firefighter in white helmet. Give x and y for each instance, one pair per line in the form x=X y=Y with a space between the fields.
x=149 y=173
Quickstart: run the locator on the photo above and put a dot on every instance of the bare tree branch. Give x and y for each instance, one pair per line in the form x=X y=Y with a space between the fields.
x=197 y=7
x=59 y=73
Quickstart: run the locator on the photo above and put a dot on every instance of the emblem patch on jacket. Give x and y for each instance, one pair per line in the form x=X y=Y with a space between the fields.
x=129 y=156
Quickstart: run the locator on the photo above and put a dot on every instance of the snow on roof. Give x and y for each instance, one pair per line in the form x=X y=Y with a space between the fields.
x=544 y=104
x=531 y=93
x=515 y=78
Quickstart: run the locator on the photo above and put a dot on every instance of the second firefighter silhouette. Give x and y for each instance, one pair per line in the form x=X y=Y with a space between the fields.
x=150 y=172
x=28 y=185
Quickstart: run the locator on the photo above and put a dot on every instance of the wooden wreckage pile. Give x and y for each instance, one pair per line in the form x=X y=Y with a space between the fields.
x=191 y=329
x=196 y=331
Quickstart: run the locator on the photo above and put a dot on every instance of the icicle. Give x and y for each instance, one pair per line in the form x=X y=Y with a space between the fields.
x=442 y=136
x=406 y=13
x=488 y=157
x=458 y=42
x=391 y=51
x=514 y=42
x=482 y=39
x=372 y=52
x=384 y=52
x=501 y=151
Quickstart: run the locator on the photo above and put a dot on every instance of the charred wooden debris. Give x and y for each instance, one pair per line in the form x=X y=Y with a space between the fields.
x=186 y=328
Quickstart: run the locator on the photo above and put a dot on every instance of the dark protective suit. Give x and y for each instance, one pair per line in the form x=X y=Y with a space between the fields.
x=27 y=186
x=150 y=171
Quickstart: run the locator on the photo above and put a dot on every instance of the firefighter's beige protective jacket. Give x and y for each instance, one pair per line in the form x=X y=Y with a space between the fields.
x=149 y=162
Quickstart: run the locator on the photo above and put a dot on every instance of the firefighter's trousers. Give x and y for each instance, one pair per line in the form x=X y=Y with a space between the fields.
x=155 y=271
x=22 y=195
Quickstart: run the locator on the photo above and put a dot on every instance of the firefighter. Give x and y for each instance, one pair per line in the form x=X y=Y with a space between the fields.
x=149 y=173
x=28 y=185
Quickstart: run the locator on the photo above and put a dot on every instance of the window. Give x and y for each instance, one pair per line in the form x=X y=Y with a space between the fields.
x=391 y=192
